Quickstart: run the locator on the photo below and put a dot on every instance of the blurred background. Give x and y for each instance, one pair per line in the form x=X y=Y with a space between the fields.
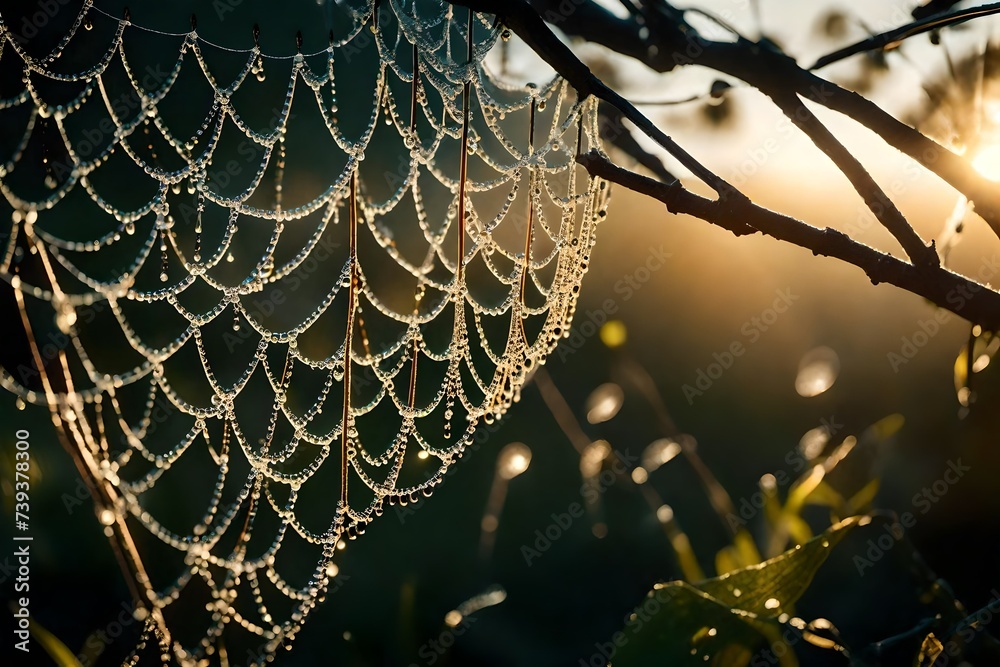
x=681 y=294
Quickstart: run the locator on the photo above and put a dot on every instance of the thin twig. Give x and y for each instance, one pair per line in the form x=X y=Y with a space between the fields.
x=717 y=495
x=560 y=409
x=119 y=537
x=74 y=440
x=892 y=38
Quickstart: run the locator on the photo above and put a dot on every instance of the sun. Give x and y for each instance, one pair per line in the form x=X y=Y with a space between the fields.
x=987 y=161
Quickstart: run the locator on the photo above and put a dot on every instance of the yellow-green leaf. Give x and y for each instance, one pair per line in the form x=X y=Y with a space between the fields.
x=727 y=560
x=767 y=588
x=798 y=528
x=59 y=652
x=746 y=547
x=728 y=620
x=862 y=500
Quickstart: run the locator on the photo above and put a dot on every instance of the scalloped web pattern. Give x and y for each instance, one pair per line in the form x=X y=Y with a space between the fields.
x=280 y=292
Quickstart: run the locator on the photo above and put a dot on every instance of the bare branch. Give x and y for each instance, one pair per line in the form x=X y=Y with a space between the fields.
x=950 y=167
x=781 y=78
x=958 y=294
x=761 y=66
x=766 y=69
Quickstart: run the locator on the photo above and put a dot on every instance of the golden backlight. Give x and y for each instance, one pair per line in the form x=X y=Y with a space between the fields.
x=987 y=161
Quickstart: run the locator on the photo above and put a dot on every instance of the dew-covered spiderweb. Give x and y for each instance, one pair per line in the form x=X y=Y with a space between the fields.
x=312 y=276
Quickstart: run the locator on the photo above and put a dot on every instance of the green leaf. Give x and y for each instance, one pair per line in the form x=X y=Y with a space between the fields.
x=58 y=651
x=729 y=619
x=689 y=625
x=766 y=589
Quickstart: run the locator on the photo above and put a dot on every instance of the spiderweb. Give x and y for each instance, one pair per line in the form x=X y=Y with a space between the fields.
x=245 y=287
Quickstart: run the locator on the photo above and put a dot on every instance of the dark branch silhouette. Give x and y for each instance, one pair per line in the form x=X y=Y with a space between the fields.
x=660 y=38
x=892 y=38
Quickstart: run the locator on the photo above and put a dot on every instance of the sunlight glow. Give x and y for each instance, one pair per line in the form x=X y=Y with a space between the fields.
x=987 y=161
